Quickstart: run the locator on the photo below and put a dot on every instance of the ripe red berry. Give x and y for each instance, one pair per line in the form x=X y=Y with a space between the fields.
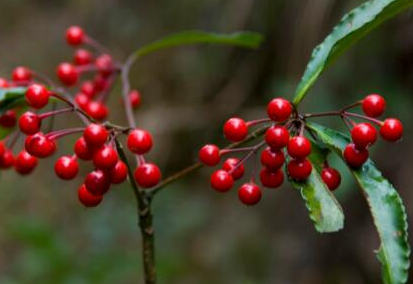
x=8 y=119
x=118 y=173
x=97 y=182
x=272 y=159
x=75 y=35
x=82 y=100
x=105 y=158
x=7 y=159
x=139 y=141
x=279 y=109
x=2 y=148
x=66 y=167
x=88 y=88
x=277 y=137
x=100 y=82
x=88 y=199
x=82 y=57
x=229 y=166
x=25 y=163
x=363 y=135
x=331 y=178
x=4 y=83
x=209 y=155
x=135 y=98
x=104 y=64
x=147 y=175
x=95 y=135
x=391 y=130
x=29 y=123
x=354 y=156
x=67 y=74
x=271 y=178
x=374 y=105
x=299 y=170
x=37 y=96
x=97 y=110
x=39 y=145
x=221 y=181
x=299 y=147
x=249 y=193
x=82 y=150
x=21 y=74
x=235 y=129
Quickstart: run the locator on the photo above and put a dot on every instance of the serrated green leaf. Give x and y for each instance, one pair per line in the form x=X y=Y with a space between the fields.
x=352 y=27
x=243 y=39
x=386 y=207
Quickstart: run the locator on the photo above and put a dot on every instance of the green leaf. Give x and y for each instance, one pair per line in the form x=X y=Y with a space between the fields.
x=386 y=207
x=10 y=98
x=243 y=39
x=352 y=27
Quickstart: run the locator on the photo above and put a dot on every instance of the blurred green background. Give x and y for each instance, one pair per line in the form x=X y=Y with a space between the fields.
x=201 y=236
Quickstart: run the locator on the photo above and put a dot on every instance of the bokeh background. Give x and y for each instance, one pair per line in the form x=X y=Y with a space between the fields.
x=202 y=236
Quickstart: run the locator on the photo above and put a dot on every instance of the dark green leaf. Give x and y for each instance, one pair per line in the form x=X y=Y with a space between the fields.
x=10 y=98
x=353 y=26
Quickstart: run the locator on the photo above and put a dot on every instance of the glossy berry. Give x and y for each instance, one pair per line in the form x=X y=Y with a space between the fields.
x=363 y=135
x=331 y=178
x=21 y=74
x=97 y=110
x=209 y=155
x=88 y=88
x=104 y=64
x=299 y=170
x=88 y=199
x=235 y=129
x=6 y=159
x=8 y=119
x=4 y=83
x=67 y=74
x=37 y=96
x=229 y=166
x=118 y=173
x=100 y=82
x=249 y=193
x=75 y=35
x=105 y=158
x=299 y=147
x=29 y=123
x=97 y=182
x=374 y=105
x=82 y=150
x=272 y=159
x=66 y=167
x=279 y=109
x=135 y=98
x=82 y=57
x=25 y=163
x=271 y=178
x=147 y=175
x=139 y=141
x=221 y=181
x=391 y=130
x=82 y=100
x=2 y=148
x=354 y=156
x=95 y=135
x=39 y=145
x=277 y=137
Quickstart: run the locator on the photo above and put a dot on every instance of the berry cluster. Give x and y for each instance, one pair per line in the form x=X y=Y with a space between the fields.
x=97 y=143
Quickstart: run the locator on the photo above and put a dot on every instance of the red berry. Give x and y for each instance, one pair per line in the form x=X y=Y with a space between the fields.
x=374 y=105
x=299 y=147
x=37 y=96
x=2 y=148
x=134 y=98
x=363 y=135
x=249 y=193
x=6 y=160
x=100 y=82
x=82 y=100
x=105 y=158
x=139 y=141
x=88 y=88
x=354 y=156
x=25 y=163
x=272 y=159
x=271 y=178
x=391 y=130
x=82 y=150
x=75 y=35
x=97 y=110
x=118 y=173
x=8 y=119
x=299 y=170
x=66 y=167
x=67 y=74
x=97 y=182
x=39 y=145
x=221 y=181
x=21 y=75
x=235 y=129
x=83 y=57
x=29 y=123
x=230 y=164
x=4 y=83
x=279 y=109
x=331 y=178
x=104 y=64
x=147 y=175
x=88 y=199
x=277 y=137
x=209 y=155
x=95 y=135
